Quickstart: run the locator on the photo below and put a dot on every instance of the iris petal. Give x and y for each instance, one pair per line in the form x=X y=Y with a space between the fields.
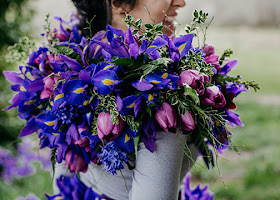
x=74 y=92
x=105 y=81
x=183 y=43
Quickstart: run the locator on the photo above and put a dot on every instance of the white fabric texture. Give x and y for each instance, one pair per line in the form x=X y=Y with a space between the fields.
x=157 y=176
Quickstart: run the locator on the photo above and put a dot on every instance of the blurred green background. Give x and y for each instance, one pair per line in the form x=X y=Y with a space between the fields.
x=254 y=173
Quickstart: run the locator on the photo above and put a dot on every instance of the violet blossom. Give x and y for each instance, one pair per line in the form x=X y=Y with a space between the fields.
x=167 y=118
x=213 y=97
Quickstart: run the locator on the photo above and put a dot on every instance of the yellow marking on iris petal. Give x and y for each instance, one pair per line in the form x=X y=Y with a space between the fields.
x=84 y=50
x=40 y=67
x=59 y=198
x=108 y=82
x=107 y=67
x=22 y=89
x=152 y=46
x=126 y=138
x=164 y=75
x=115 y=36
x=79 y=90
x=182 y=47
x=131 y=105
x=155 y=82
x=59 y=96
x=51 y=123
x=80 y=32
x=55 y=133
x=29 y=102
x=86 y=102
x=210 y=79
x=151 y=97
x=23 y=70
x=51 y=103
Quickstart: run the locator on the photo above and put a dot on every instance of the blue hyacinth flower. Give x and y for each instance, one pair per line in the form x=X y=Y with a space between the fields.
x=105 y=81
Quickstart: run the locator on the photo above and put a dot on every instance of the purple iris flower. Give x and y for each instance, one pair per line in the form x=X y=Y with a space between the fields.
x=105 y=81
x=229 y=66
x=150 y=131
x=71 y=188
x=126 y=105
x=197 y=193
x=75 y=92
x=183 y=44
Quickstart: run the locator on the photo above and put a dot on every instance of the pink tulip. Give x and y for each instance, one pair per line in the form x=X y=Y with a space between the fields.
x=213 y=97
x=78 y=164
x=49 y=83
x=209 y=50
x=106 y=129
x=188 y=122
x=167 y=118
x=193 y=79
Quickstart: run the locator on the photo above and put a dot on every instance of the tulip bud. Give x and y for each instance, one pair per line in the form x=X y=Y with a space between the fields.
x=188 y=122
x=193 y=79
x=106 y=129
x=78 y=164
x=166 y=118
x=213 y=97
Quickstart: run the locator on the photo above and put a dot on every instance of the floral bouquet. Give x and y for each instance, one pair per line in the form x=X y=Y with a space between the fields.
x=94 y=99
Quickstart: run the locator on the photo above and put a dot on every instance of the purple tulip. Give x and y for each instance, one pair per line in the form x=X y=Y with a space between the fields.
x=49 y=83
x=188 y=122
x=193 y=79
x=106 y=129
x=209 y=50
x=76 y=164
x=167 y=118
x=213 y=97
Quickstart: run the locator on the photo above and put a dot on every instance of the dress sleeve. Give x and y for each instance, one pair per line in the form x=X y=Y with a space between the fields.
x=157 y=176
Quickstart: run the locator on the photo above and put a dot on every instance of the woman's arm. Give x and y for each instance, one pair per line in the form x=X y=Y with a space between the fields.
x=157 y=176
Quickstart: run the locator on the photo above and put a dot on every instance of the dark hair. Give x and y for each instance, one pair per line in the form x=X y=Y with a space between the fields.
x=98 y=10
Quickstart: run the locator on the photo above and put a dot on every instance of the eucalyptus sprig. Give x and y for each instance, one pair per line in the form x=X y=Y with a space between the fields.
x=149 y=32
x=199 y=18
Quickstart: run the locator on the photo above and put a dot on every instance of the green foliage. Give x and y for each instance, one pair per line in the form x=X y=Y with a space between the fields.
x=150 y=31
x=193 y=61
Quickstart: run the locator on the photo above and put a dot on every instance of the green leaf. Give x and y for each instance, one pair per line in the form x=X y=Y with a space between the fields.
x=138 y=23
x=132 y=77
x=136 y=143
x=122 y=61
x=191 y=93
x=148 y=26
x=53 y=160
x=195 y=14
